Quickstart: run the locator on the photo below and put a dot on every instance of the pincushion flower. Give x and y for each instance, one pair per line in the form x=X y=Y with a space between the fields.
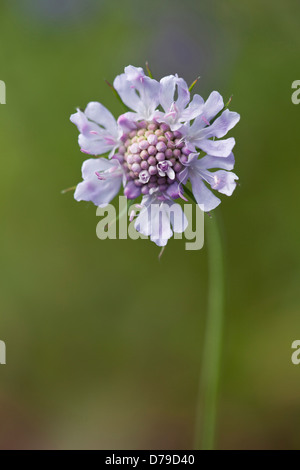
x=164 y=141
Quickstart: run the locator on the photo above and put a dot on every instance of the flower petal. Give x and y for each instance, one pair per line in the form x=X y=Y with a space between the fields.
x=205 y=198
x=131 y=191
x=95 y=145
x=149 y=93
x=160 y=224
x=222 y=125
x=207 y=162
x=209 y=110
x=176 y=112
x=201 y=129
x=218 y=148
x=89 y=167
x=155 y=219
x=183 y=176
x=178 y=218
x=173 y=190
x=138 y=92
x=127 y=92
x=98 y=129
x=100 y=192
x=127 y=121
x=143 y=221
x=167 y=91
x=80 y=120
x=98 y=113
x=224 y=182
x=133 y=73
x=213 y=105
x=193 y=110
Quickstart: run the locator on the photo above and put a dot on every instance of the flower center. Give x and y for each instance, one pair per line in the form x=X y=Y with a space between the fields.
x=151 y=156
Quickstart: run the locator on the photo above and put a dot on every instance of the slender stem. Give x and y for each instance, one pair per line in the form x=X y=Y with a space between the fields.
x=210 y=372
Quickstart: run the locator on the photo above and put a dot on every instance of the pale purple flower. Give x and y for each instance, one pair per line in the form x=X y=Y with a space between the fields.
x=177 y=112
x=196 y=170
x=99 y=132
x=199 y=133
x=154 y=153
x=165 y=169
x=102 y=180
x=139 y=92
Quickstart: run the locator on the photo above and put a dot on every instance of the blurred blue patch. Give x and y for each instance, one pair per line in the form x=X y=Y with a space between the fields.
x=57 y=12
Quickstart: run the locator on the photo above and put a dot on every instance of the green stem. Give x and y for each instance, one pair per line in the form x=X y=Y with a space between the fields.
x=210 y=373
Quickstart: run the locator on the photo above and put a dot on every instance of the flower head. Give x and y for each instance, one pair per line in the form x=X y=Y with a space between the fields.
x=164 y=141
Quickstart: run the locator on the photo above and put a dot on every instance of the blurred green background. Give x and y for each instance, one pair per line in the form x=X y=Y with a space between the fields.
x=104 y=341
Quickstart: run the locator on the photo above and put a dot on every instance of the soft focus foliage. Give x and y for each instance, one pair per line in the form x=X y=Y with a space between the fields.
x=103 y=341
